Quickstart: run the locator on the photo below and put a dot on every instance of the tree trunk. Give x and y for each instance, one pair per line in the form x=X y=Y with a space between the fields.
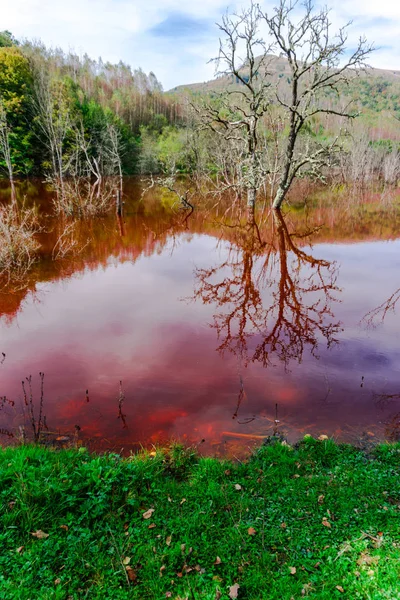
x=279 y=198
x=251 y=198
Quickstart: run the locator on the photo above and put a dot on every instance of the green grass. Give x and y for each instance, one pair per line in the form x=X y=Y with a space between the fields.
x=287 y=523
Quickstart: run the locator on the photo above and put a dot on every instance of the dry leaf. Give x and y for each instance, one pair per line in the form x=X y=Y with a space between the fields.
x=321 y=498
x=148 y=513
x=168 y=540
x=292 y=570
x=233 y=591
x=323 y=437
x=152 y=525
x=182 y=501
x=339 y=587
x=168 y=594
x=183 y=547
x=238 y=486
x=39 y=534
x=326 y=523
x=126 y=560
x=57 y=581
x=218 y=594
x=251 y=531
x=217 y=561
x=161 y=570
x=65 y=527
x=366 y=559
x=12 y=505
x=19 y=550
x=283 y=525
x=132 y=576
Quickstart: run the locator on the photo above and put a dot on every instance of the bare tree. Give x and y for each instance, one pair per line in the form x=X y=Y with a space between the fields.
x=318 y=65
x=5 y=151
x=235 y=115
x=55 y=117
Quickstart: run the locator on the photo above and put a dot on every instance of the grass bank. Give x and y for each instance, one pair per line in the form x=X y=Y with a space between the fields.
x=318 y=520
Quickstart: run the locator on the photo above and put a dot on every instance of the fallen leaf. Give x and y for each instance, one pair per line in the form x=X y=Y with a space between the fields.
x=168 y=594
x=283 y=525
x=65 y=527
x=292 y=570
x=168 y=540
x=12 y=505
x=251 y=531
x=161 y=570
x=132 y=576
x=323 y=437
x=321 y=498
x=217 y=561
x=233 y=591
x=19 y=550
x=126 y=560
x=366 y=559
x=57 y=581
x=326 y=523
x=238 y=486
x=183 y=547
x=179 y=574
x=39 y=534
x=152 y=525
x=339 y=587
x=182 y=501
x=148 y=513
x=218 y=595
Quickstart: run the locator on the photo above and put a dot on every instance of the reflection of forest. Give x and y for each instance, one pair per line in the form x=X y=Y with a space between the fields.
x=150 y=224
x=271 y=298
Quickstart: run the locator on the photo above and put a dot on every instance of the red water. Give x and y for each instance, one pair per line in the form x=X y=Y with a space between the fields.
x=214 y=329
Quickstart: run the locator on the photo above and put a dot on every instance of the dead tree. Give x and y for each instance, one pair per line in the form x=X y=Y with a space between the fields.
x=235 y=115
x=318 y=65
x=5 y=151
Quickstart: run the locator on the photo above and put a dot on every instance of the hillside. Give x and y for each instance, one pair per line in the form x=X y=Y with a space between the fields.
x=375 y=89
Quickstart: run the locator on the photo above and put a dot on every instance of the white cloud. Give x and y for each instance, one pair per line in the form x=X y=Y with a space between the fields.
x=122 y=29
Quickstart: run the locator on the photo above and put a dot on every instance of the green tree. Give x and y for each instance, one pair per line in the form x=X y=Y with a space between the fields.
x=15 y=99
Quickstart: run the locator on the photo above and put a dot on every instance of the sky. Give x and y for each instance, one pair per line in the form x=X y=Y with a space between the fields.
x=173 y=39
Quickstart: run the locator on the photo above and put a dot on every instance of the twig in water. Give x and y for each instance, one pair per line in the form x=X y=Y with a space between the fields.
x=29 y=402
x=121 y=399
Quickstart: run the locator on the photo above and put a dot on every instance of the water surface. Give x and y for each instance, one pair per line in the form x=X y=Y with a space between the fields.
x=214 y=327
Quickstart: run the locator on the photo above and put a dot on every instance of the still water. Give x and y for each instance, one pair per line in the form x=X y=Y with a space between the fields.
x=209 y=329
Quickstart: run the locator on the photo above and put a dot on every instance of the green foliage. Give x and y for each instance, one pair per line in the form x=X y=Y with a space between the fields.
x=318 y=520
x=7 y=39
x=15 y=101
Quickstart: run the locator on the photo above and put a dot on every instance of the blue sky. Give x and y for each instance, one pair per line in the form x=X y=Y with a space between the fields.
x=175 y=39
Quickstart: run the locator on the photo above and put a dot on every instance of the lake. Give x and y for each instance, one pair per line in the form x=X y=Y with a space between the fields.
x=210 y=329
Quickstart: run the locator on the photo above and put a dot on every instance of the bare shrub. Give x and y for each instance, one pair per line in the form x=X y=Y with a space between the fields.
x=18 y=244
x=81 y=198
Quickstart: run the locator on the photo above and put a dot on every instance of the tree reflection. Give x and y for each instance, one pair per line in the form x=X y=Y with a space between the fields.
x=378 y=314
x=272 y=299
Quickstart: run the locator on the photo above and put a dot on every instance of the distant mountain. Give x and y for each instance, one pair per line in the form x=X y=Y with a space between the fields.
x=376 y=89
